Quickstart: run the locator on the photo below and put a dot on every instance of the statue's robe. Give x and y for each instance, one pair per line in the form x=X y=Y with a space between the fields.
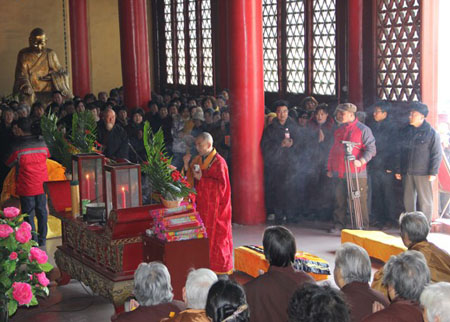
x=34 y=71
x=438 y=261
x=214 y=206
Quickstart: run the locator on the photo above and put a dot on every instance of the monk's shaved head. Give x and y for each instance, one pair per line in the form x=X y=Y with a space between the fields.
x=205 y=136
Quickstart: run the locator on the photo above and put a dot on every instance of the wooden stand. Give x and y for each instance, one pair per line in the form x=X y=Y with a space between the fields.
x=179 y=257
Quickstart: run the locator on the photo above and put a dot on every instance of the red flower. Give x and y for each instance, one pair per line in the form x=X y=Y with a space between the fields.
x=11 y=212
x=87 y=132
x=22 y=293
x=13 y=256
x=39 y=255
x=175 y=175
x=43 y=280
x=23 y=234
x=5 y=230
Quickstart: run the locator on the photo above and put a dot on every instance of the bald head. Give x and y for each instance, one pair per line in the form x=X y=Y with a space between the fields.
x=109 y=117
x=204 y=143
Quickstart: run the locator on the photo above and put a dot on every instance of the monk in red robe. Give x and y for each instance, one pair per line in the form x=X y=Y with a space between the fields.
x=208 y=172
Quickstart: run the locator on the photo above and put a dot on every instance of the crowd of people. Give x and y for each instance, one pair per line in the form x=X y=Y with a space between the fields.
x=412 y=286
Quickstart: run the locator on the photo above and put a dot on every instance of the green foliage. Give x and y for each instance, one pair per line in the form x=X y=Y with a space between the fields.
x=84 y=131
x=163 y=178
x=58 y=146
x=21 y=269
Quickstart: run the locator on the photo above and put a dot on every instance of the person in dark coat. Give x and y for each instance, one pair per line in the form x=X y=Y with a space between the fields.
x=112 y=136
x=352 y=274
x=154 y=296
x=381 y=168
x=419 y=160
x=282 y=145
x=135 y=128
x=406 y=276
x=319 y=194
x=268 y=295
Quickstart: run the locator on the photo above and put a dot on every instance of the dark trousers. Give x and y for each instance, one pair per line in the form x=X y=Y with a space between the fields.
x=32 y=205
x=341 y=205
x=418 y=189
x=383 y=196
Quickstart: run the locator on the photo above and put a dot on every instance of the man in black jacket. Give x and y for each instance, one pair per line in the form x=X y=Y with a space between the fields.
x=112 y=136
x=381 y=167
x=420 y=158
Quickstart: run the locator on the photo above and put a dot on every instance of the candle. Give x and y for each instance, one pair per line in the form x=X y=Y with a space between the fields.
x=88 y=188
x=124 y=203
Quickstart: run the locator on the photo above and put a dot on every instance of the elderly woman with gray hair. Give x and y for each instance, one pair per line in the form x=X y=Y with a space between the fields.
x=352 y=274
x=153 y=292
x=405 y=276
x=414 y=229
x=436 y=302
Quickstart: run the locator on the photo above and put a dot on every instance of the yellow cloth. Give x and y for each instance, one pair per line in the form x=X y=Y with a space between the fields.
x=377 y=244
x=56 y=172
x=251 y=262
x=438 y=262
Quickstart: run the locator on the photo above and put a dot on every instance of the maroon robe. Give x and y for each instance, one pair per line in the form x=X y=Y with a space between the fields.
x=150 y=313
x=360 y=297
x=214 y=207
x=268 y=295
x=399 y=311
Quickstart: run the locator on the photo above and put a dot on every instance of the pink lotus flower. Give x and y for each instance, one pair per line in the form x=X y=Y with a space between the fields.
x=42 y=278
x=23 y=235
x=11 y=212
x=22 y=293
x=5 y=230
x=25 y=225
x=13 y=256
x=39 y=255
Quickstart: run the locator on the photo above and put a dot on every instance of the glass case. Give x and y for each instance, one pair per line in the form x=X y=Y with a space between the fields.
x=87 y=169
x=123 y=186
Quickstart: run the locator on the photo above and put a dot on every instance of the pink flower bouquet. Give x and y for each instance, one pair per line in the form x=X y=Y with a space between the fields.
x=23 y=266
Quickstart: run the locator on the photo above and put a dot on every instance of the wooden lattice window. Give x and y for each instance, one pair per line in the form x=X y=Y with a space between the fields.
x=299 y=39
x=188 y=42
x=169 y=40
x=324 y=47
x=398 y=50
x=295 y=46
x=270 y=45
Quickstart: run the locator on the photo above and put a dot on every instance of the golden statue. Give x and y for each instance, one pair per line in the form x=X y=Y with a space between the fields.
x=38 y=71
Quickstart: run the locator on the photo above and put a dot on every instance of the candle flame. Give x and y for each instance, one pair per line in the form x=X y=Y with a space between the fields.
x=123 y=188
x=87 y=177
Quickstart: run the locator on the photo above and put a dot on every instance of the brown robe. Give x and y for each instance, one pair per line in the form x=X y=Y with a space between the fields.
x=189 y=315
x=360 y=298
x=399 y=311
x=150 y=313
x=268 y=295
x=438 y=261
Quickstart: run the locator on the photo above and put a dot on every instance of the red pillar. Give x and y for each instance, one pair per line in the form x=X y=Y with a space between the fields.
x=134 y=52
x=355 y=52
x=247 y=109
x=79 y=44
x=429 y=71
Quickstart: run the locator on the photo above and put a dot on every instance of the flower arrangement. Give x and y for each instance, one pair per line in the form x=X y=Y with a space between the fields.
x=23 y=264
x=164 y=178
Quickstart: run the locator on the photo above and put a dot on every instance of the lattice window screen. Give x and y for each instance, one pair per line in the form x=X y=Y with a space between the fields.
x=181 y=55
x=398 y=50
x=169 y=39
x=207 y=49
x=295 y=46
x=193 y=42
x=324 y=47
x=270 y=47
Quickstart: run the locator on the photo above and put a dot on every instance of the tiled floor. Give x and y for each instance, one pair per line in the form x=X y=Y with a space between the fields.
x=76 y=303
